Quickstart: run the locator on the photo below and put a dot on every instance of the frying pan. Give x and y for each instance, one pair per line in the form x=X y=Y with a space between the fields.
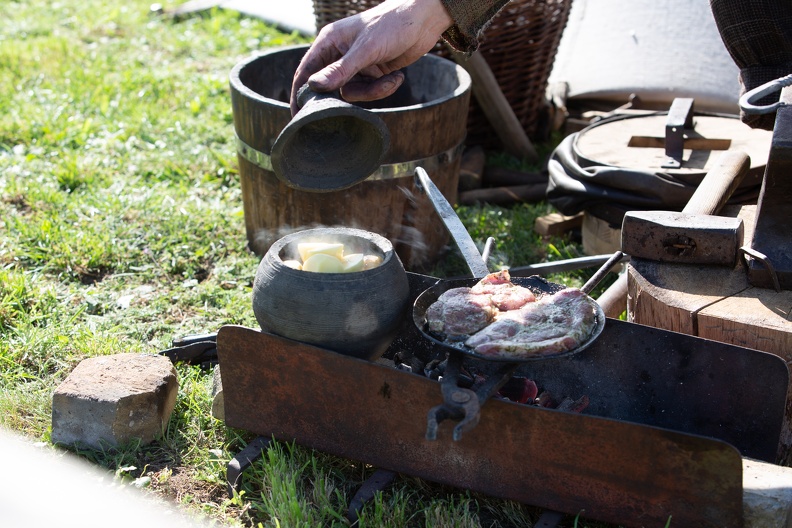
x=461 y=403
x=538 y=285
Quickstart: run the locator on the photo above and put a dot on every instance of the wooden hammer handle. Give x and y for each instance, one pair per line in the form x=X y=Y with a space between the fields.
x=495 y=106
x=719 y=183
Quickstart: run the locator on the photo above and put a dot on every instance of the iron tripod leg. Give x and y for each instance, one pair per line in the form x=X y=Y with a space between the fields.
x=380 y=480
x=242 y=461
x=549 y=519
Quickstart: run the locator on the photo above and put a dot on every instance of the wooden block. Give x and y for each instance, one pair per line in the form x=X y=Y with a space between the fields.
x=670 y=296
x=755 y=318
x=599 y=237
x=555 y=224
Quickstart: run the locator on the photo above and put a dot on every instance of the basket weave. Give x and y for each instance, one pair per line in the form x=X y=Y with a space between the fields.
x=519 y=45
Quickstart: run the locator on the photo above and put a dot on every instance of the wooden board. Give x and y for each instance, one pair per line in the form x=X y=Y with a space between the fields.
x=637 y=142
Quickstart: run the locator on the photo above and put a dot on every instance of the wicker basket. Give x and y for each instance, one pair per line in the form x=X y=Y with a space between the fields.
x=519 y=45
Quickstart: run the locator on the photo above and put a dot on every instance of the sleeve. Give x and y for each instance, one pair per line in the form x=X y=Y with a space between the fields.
x=758 y=36
x=470 y=18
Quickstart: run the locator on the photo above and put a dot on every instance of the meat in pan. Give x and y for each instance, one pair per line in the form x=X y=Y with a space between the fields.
x=460 y=312
x=501 y=320
x=552 y=325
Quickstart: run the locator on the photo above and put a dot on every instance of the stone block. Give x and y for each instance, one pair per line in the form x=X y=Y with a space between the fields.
x=218 y=400
x=767 y=495
x=109 y=400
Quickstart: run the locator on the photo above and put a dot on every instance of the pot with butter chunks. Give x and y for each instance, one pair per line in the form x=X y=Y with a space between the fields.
x=339 y=288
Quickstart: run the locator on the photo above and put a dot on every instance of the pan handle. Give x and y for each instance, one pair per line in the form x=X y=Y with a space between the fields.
x=454 y=225
x=600 y=273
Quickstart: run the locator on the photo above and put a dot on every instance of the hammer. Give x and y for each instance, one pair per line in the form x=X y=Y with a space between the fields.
x=693 y=236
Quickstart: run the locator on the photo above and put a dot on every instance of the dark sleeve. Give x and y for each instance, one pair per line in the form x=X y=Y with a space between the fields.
x=470 y=18
x=758 y=36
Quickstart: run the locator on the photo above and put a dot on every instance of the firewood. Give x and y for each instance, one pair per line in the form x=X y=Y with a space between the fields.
x=532 y=193
x=471 y=168
x=500 y=176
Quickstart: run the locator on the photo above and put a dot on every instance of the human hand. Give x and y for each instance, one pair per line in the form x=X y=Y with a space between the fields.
x=362 y=55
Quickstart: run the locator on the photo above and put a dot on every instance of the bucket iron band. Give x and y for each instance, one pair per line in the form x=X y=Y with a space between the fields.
x=387 y=171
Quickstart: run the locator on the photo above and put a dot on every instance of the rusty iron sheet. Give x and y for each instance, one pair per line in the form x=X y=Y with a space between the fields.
x=614 y=471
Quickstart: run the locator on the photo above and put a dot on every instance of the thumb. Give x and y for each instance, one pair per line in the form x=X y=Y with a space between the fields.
x=331 y=77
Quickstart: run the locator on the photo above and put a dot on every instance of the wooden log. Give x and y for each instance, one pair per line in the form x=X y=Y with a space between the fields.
x=471 y=169
x=501 y=176
x=614 y=300
x=504 y=195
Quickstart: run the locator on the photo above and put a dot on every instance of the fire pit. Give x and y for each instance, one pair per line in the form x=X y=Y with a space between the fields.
x=669 y=417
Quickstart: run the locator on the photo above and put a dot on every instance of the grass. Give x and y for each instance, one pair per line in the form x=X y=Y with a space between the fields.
x=121 y=228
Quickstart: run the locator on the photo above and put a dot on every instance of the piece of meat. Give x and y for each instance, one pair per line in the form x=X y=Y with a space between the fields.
x=505 y=294
x=461 y=312
x=554 y=324
x=496 y=277
x=458 y=313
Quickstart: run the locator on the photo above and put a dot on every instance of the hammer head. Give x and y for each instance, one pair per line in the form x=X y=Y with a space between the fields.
x=668 y=236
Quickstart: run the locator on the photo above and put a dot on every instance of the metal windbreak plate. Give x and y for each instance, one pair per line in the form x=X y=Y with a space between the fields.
x=615 y=471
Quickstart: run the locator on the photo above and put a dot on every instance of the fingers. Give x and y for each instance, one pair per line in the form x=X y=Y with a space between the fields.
x=331 y=77
x=369 y=89
x=369 y=48
x=336 y=71
x=318 y=57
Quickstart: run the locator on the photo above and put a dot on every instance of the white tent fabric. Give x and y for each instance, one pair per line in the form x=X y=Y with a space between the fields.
x=291 y=15
x=658 y=50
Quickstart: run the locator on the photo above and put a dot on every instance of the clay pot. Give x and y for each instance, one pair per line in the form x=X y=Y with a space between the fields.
x=355 y=313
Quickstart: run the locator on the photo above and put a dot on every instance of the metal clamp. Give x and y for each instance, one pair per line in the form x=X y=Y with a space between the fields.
x=680 y=117
x=464 y=404
x=749 y=98
x=458 y=403
x=748 y=251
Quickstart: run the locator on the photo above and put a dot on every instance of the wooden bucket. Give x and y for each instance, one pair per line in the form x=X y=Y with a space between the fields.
x=427 y=122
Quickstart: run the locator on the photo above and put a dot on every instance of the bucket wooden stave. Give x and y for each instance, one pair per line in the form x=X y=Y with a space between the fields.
x=427 y=123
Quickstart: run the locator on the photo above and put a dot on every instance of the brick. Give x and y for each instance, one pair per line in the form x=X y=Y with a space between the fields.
x=110 y=400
